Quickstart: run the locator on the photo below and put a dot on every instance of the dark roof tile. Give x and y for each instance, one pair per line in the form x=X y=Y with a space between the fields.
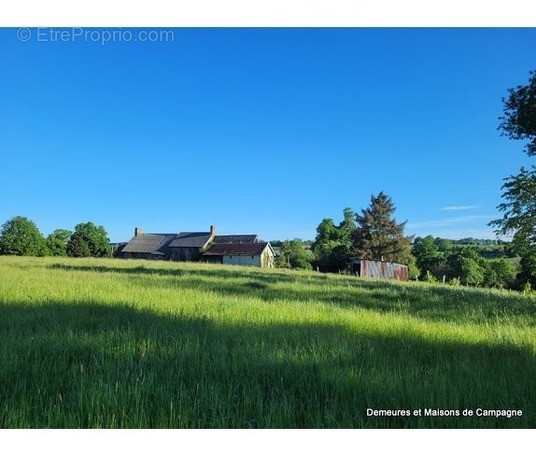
x=190 y=239
x=155 y=244
x=254 y=248
x=236 y=239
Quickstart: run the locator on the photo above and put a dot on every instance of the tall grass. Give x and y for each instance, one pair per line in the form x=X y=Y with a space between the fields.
x=134 y=344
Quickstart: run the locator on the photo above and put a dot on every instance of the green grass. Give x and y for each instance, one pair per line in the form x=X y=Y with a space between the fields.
x=133 y=344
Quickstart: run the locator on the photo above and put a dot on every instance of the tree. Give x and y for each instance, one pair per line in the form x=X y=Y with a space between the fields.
x=527 y=274
x=468 y=266
x=95 y=238
x=519 y=120
x=294 y=256
x=333 y=244
x=378 y=236
x=57 y=242
x=78 y=247
x=519 y=210
x=20 y=236
x=502 y=274
x=428 y=256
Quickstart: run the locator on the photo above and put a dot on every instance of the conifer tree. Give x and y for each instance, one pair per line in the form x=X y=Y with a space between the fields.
x=378 y=236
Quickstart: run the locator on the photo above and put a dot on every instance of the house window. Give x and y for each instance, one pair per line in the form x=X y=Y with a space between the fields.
x=252 y=257
x=230 y=257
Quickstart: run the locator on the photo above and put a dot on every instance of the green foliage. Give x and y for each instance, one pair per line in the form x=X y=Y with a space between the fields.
x=413 y=269
x=20 y=236
x=294 y=256
x=527 y=273
x=519 y=120
x=444 y=245
x=333 y=244
x=468 y=266
x=378 y=236
x=501 y=274
x=94 y=238
x=57 y=242
x=78 y=247
x=430 y=278
x=428 y=256
x=519 y=210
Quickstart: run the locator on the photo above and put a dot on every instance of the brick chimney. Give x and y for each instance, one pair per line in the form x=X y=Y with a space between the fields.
x=138 y=232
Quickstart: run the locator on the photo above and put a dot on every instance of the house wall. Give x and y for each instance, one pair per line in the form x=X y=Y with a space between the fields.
x=139 y=256
x=215 y=259
x=264 y=260
x=268 y=258
x=184 y=254
x=244 y=260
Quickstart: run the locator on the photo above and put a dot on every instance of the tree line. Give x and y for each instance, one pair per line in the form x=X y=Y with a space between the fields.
x=374 y=233
x=20 y=236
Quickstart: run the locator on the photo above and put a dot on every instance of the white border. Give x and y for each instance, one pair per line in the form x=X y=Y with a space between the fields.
x=266 y=442
x=272 y=13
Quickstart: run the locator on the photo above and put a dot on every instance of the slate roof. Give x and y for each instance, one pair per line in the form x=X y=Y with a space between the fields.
x=155 y=244
x=236 y=239
x=254 y=248
x=190 y=239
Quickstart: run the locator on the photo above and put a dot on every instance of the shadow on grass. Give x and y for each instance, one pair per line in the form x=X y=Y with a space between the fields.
x=103 y=366
x=432 y=303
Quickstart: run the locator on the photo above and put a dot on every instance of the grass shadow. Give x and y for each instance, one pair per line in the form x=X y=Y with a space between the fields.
x=94 y=365
x=431 y=303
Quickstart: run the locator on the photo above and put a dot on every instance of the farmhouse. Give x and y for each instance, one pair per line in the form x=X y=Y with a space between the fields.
x=244 y=249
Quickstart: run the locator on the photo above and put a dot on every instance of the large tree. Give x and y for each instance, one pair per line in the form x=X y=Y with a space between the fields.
x=94 y=237
x=519 y=210
x=519 y=119
x=378 y=236
x=20 y=236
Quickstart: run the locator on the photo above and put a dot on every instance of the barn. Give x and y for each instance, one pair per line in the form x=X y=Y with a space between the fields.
x=379 y=269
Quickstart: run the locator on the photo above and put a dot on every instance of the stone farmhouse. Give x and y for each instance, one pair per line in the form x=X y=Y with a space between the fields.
x=206 y=247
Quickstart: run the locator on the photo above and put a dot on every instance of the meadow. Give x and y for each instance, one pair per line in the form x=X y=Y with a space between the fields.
x=87 y=343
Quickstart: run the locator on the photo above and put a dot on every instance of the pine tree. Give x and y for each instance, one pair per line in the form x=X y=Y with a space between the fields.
x=378 y=236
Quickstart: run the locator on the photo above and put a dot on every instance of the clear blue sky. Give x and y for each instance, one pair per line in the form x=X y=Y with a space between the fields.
x=263 y=131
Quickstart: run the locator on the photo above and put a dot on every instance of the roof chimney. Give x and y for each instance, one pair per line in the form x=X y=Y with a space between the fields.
x=138 y=232
x=212 y=230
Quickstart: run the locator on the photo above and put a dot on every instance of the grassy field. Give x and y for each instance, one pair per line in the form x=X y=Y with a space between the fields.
x=132 y=344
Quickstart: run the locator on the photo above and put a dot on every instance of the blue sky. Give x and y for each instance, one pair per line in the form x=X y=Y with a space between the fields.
x=263 y=131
